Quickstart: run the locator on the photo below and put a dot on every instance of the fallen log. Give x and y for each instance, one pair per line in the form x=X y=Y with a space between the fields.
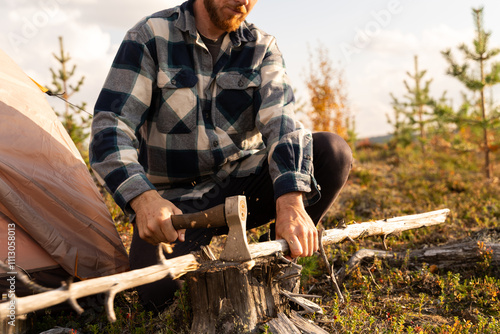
x=177 y=267
x=459 y=255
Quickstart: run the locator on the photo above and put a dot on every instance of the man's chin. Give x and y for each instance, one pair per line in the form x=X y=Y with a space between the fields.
x=233 y=25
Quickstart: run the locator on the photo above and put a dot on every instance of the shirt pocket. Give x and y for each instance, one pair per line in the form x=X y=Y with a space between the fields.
x=177 y=112
x=235 y=101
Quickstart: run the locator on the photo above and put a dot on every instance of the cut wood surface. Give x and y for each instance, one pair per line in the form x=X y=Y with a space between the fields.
x=355 y=231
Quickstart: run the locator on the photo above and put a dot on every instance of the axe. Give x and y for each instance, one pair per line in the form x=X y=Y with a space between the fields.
x=233 y=214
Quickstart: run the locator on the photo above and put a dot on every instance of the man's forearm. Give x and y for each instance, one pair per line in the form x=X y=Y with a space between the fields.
x=146 y=197
x=291 y=199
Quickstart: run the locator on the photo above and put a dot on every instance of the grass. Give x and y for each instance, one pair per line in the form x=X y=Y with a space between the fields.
x=378 y=298
x=417 y=299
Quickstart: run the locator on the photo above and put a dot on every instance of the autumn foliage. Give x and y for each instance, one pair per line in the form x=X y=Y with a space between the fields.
x=328 y=97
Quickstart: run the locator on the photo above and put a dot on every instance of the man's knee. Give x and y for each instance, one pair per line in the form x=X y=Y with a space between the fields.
x=329 y=148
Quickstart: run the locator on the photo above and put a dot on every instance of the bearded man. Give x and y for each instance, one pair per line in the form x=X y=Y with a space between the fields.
x=198 y=107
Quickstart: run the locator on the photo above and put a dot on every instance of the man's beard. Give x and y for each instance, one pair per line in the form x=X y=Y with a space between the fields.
x=222 y=23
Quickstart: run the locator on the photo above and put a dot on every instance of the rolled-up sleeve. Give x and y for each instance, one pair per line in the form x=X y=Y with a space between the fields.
x=120 y=111
x=289 y=143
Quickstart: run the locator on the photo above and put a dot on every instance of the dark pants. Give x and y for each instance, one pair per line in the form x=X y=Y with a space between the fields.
x=332 y=163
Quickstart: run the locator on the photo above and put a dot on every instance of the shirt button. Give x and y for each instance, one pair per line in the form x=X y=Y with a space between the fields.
x=240 y=83
x=173 y=81
x=215 y=143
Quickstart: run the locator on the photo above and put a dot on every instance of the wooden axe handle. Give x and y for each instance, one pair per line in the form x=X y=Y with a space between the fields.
x=213 y=217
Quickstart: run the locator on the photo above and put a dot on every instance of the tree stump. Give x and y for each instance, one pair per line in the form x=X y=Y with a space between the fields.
x=238 y=297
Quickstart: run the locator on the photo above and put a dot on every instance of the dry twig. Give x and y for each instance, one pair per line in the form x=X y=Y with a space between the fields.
x=331 y=272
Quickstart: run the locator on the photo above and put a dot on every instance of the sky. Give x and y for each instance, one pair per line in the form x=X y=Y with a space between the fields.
x=372 y=41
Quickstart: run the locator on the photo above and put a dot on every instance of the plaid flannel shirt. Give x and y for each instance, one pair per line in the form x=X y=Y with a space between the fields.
x=168 y=119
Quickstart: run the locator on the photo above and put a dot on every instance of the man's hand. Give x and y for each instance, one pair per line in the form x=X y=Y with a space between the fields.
x=153 y=218
x=295 y=226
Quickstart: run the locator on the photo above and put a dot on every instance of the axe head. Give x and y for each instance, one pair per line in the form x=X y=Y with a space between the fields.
x=236 y=248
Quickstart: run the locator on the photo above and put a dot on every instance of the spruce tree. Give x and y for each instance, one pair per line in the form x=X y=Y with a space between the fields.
x=443 y=125
x=413 y=113
x=403 y=130
x=74 y=121
x=476 y=77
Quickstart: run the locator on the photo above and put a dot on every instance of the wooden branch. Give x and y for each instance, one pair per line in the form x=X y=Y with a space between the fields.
x=354 y=231
x=359 y=256
x=176 y=267
x=110 y=285
x=307 y=305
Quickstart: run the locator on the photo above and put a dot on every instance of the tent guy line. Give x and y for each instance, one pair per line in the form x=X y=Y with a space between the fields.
x=60 y=96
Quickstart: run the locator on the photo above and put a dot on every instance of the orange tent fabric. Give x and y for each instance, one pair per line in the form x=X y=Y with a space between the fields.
x=46 y=189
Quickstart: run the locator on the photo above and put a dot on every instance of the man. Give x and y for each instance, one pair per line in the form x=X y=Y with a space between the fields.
x=198 y=107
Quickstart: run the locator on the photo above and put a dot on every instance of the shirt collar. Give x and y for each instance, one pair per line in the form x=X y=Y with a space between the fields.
x=186 y=22
x=242 y=35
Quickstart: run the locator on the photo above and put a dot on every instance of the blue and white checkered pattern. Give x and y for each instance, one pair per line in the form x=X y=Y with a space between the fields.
x=169 y=119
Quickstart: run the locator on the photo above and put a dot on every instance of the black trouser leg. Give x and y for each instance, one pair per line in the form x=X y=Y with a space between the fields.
x=332 y=159
x=332 y=163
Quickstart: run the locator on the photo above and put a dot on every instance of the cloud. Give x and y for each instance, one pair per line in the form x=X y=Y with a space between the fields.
x=382 y=66
x=31 y=30
x=88 y=44
x=92 y=31
x=116 y=14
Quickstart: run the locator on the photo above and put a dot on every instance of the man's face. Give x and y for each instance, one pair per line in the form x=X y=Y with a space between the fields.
x=227 y=15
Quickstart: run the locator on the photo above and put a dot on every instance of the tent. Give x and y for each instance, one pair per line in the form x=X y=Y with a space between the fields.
x=51 y=212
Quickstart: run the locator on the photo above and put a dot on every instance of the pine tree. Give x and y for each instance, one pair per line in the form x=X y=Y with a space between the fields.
x=403 y=130
x=328 y=97
x=477 y=80
x=74 y=122
x=414 y=113
x=442 y=125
